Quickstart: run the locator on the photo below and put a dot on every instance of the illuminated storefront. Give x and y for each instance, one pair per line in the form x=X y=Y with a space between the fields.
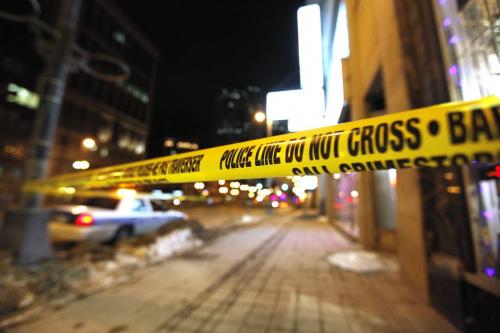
x=443 y=223
x=346 y=204
x=469 y=35
x=470 y=39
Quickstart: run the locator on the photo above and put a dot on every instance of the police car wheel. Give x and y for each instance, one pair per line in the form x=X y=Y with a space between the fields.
x=122 y=233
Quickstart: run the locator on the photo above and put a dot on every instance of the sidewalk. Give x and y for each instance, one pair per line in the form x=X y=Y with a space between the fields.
x=270 y=278
x=221 y=216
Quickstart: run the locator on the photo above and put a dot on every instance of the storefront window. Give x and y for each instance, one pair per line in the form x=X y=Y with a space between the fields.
x=489 y=226
x=346 y=203
x=470 y=35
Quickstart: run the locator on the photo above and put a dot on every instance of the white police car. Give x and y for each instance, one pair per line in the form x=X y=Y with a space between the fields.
x=109 y=219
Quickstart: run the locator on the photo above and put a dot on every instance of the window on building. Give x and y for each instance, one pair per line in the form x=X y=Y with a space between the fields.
x=346 y=204
x=470 y=35
x=119 y=37
x=375 y=98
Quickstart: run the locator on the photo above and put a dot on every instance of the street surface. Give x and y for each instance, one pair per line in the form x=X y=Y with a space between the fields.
x=223 y=215
x=270 y=277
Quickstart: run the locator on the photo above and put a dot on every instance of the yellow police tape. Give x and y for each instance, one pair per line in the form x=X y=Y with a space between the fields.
x=444 y=135
x=118 y=194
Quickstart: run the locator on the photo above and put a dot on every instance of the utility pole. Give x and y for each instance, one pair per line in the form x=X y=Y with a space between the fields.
x=25 y=229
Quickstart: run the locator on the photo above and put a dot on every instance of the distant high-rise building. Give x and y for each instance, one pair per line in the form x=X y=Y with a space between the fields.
x=113 y=115
x=235 y=110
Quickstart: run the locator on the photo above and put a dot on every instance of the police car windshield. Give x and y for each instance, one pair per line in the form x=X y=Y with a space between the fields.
x=108 y=203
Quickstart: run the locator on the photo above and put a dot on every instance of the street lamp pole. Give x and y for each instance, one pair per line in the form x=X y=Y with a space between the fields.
x=25 y=229
x=269 y=181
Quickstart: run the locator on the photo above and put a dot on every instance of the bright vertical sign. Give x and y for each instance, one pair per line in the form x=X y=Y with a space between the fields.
x=304 y=108
x=294 y=104
x=310 y=47
x=335 y=79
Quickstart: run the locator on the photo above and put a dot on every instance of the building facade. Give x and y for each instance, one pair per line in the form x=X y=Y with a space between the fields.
x=113 y=115
x=443 y=224
x=234 y=114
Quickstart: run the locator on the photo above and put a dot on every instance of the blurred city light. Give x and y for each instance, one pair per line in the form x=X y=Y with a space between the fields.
x=448 y=175
x=275 y=204
x=187 y=145
x=66 y=190
x=223 y=190
x=169 y=143
x=177 y=193
x=126 y=192
x=22 y=96
x=235 y=192
x=81 y=165
x=176 y=202
x=284 y=187
x=89 y=143
x=199 y=185
x=222 y=182
x=305 y=182
x=260 y=116
x=79 y=209
x=264 y=192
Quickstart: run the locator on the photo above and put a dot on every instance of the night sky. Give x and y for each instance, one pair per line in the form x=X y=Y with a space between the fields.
x=208 y=45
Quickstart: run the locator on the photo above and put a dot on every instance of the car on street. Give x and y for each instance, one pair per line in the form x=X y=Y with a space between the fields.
x=109 y=219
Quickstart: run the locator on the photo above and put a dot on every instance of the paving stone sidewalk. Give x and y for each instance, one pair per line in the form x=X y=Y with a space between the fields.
x=269 y=278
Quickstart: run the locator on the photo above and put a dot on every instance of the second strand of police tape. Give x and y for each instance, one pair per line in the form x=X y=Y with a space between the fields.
x=445 y=135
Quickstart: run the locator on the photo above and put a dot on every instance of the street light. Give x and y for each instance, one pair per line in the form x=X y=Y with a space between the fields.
x=89 y=143
x=260 y=116
x=81 y=165
x=199 y=185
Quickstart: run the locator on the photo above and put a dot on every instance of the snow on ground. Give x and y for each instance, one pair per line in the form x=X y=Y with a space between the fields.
x=363 y=261
x=84 y=269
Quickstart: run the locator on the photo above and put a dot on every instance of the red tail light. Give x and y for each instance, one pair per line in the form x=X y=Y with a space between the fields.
x=84 y=220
